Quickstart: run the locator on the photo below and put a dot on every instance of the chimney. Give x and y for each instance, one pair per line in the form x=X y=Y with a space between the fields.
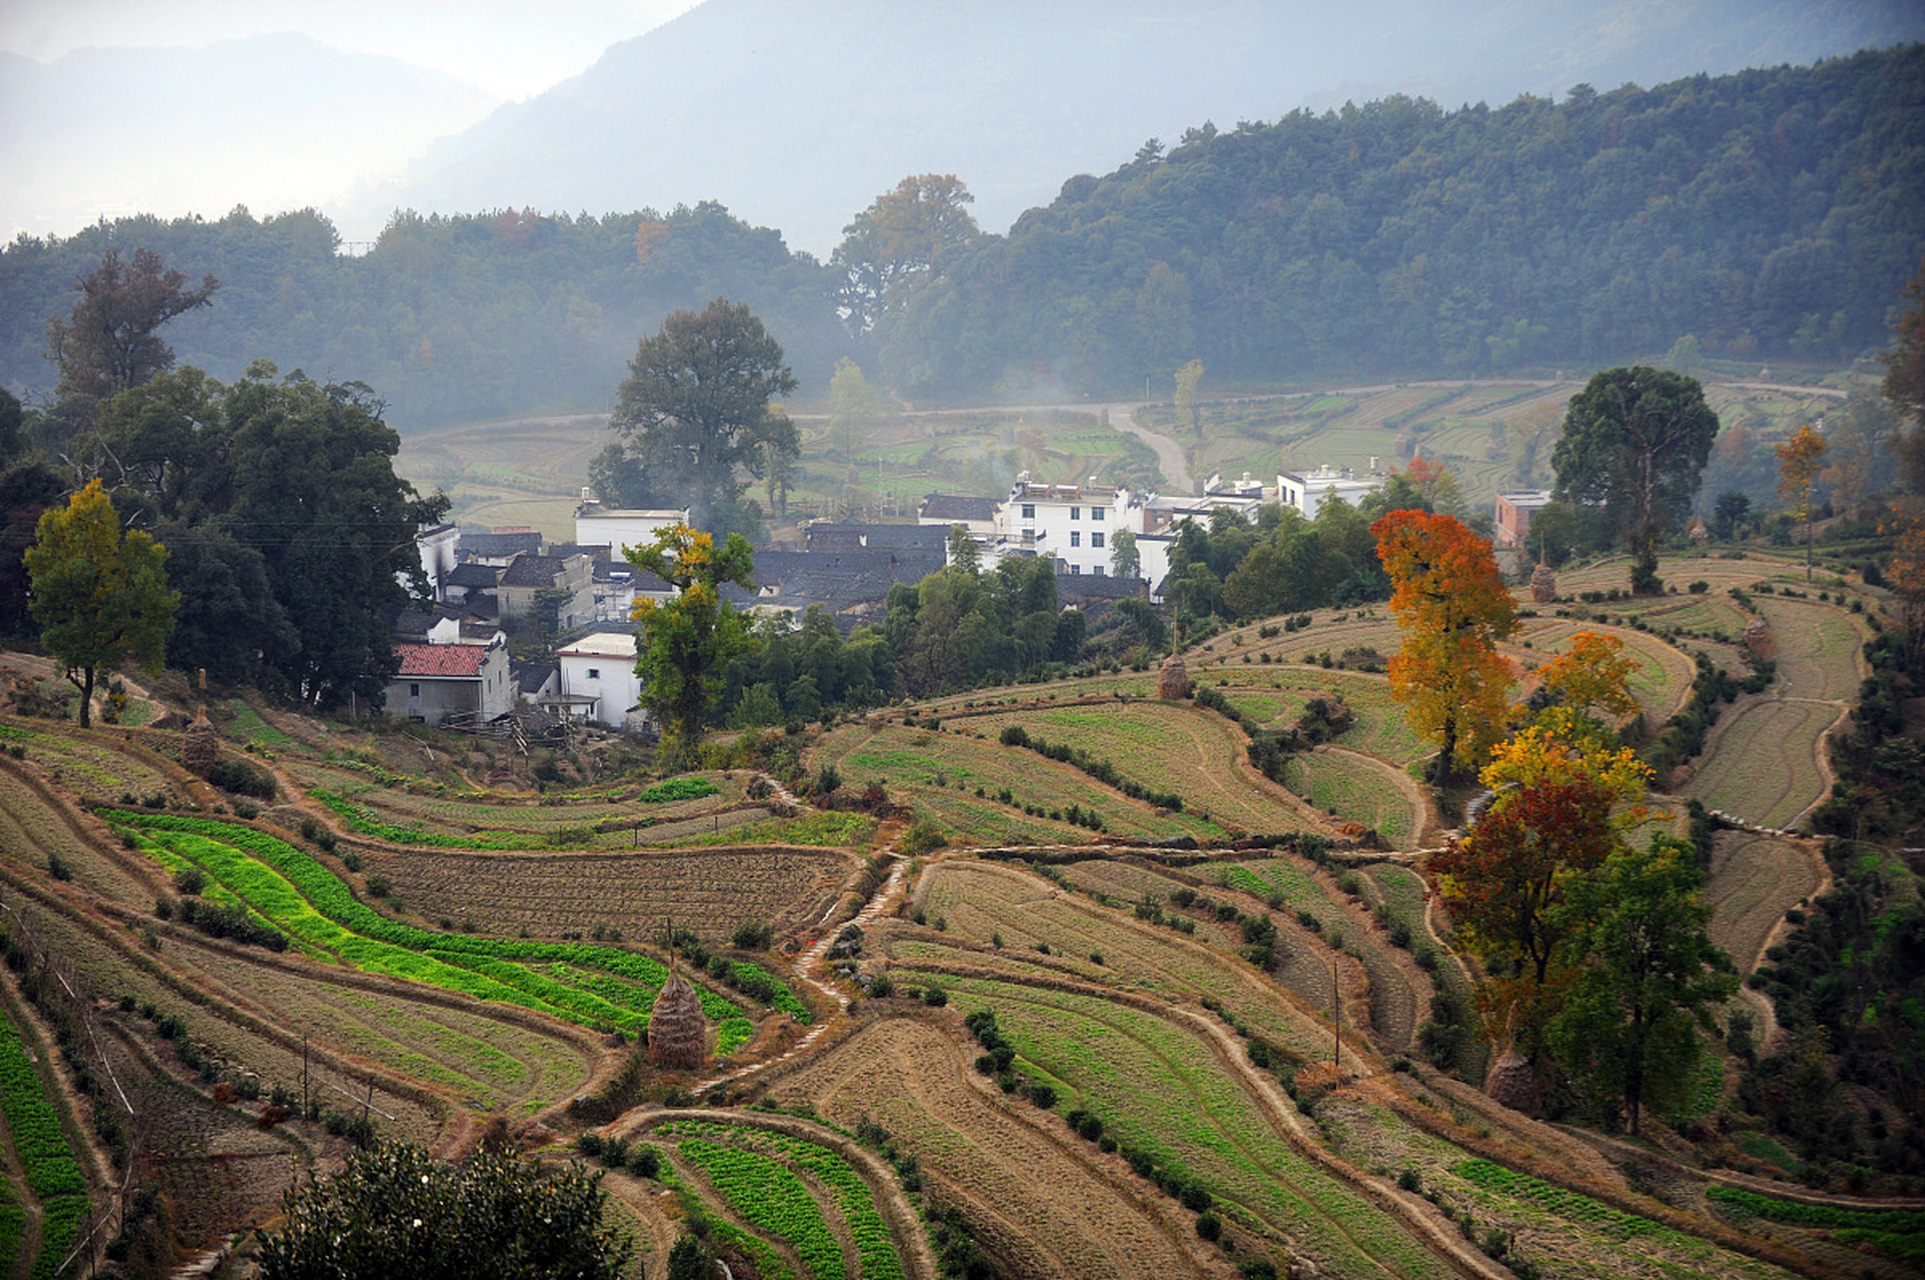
x=1373 y=464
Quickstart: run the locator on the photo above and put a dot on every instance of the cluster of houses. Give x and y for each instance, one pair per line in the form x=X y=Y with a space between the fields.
x=455 y=669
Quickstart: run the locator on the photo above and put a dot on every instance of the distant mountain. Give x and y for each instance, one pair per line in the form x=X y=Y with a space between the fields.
x=273 y=122
x=797 y=113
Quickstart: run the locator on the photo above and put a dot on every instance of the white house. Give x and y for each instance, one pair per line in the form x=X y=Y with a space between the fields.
x=598 y=681
x=436 y=544
x=599 y=526
x=1067 y=522
x=1309 y=490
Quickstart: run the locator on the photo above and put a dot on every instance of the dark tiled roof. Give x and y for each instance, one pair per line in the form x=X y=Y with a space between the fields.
x=641 y=579
x=1074 y=588
x=532 y=571
x=853 y=536
x=499 y=545
x=459 y=661
x=530 y=677
x=952 y=506
x=472 y=574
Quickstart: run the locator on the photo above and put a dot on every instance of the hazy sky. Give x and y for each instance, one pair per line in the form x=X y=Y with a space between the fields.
x=511 y=48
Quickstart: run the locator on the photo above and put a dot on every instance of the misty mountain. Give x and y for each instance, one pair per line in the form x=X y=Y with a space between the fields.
x=797 y=113
x=273 y=122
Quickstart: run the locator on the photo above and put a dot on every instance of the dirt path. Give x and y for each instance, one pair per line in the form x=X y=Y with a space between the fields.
x=1170 y=458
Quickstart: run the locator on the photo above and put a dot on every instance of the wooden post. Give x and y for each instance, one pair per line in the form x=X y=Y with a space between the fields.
x=304 y=1104
x=1336 y=1021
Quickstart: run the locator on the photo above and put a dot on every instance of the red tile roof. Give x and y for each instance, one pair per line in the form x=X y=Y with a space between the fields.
x=452 y=660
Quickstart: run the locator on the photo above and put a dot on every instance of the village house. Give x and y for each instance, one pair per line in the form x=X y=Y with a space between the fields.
x=617 y=529
x=596 y=682
x=1515 y=511
x=527 y=576
x=1307 y=491
x=437 y=683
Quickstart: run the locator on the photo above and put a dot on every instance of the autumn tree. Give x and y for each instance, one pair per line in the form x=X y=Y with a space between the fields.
x=686 y=643
x=1557 y=810
x=1800 y=459
x=854 y=407
x=1587 y=687
x=108 y=343
x=1635 y=441
x=695 y=415
x=899 y=243
x=100 y=596
x=1450 y=600
x=1646 y=975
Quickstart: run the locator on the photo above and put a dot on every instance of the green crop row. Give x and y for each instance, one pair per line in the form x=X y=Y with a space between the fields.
x=678 y=789
x=302 y=897
x=768 y=1195
x=1899 y=1221
x=874 y=1245
x=59 y=1225
x=1565 y=1204
x=13 y=1230
x=768 y=1262
x=37 y=1136
x=365 y=822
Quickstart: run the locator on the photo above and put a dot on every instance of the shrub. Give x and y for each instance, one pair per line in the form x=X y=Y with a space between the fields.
x=935 y=997
x=750 y=936
x=241 y=778
x=923 y=836
x=1209 y=1226
x=378 y=887
x=190 y=881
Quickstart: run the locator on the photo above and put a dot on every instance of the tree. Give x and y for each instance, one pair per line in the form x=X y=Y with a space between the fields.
x=1124 y=560
x=108 y=344
x=1556 y=812
x=1586 y=683
x=1730 y=513
x=695 y=410
x=228 y=623
x=965 y=555
x=853 y=408
x=396 y=1211
x=100 y=597
x=900 y=243
x=1636 y=440
x=688 y=1260
x=1799 y=461
x=1648 y=972
x=1184 y=402
x=688 y=642
x=1450 y=600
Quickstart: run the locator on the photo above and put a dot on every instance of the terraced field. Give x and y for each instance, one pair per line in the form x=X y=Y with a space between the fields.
x=1753 y=880
x=1356 y=788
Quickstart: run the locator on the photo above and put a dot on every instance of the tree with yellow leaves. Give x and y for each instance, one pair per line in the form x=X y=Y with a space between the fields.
x=686 y=643
x=1584 y=685
x=1800 y=459
x=1450 y=600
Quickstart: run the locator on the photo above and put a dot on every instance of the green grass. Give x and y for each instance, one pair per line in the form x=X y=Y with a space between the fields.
x=1564 y=1204
x=771 y=1197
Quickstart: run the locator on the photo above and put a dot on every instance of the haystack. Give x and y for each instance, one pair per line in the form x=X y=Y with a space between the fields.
x=1173 y=680
x=200 y=745
x=1543 y=585
x=1512 y=1082
x=1758 y=638
x=677 y=1031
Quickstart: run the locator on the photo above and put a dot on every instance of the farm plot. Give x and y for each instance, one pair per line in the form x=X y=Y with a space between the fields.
x=52 y=1173
x=1330 y=631
x=1166 y=747
x=92 y=763
x=1394 y=996
x=1379 y=728
x=1355 y=788
x=847 y=1197
x=1161 y=1089
x=308 y=902
x=710 y=891
x=1716 y=572
x=1046 y=1202
x=1818 y=649
x=1754 y=879
x=770 y=1197
x=1761 y=763
x=1663 y=676
x=980 y=901
x=481 y=1059
x=38 y=831
x=942 y=771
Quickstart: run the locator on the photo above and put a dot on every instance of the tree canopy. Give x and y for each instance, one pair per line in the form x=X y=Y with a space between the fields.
x=1635 y=442
x=688 y=642
x=395 y=1211
x=1451 y=602
x=100 y=597
x=694 y=412
x=108 y=343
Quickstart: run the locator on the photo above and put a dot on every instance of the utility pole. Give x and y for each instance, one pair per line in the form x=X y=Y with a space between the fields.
x=1336 y=1021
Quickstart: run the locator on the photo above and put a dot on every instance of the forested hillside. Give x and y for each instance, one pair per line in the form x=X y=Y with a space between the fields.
x=449 y=318
x=1770 y=214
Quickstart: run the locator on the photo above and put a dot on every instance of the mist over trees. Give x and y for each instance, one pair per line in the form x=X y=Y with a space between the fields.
x=1764 y=215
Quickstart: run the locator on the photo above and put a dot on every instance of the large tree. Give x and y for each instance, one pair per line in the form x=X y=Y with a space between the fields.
x=100 y=596
x=1450 y=600
x=1647 y=971
x=694 y=412
x=1800 y=459
x=902 y=241
x=108 y=343
x=1635 y=441
x=394 y=1210
x=687 y=643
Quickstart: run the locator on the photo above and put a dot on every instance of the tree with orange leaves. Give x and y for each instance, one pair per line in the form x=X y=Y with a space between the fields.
x=1450 y=599
x=1799 y=461
x=1586 y=683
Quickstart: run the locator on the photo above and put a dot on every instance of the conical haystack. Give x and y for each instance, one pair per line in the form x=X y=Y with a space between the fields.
x=1543 y=585
x=1512 y=1082
x=1759 y=640
x=200 y=745
x=677 y=1031
x=1173 y=680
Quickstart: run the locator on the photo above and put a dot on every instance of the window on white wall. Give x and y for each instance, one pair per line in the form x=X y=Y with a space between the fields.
x=594 y=673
